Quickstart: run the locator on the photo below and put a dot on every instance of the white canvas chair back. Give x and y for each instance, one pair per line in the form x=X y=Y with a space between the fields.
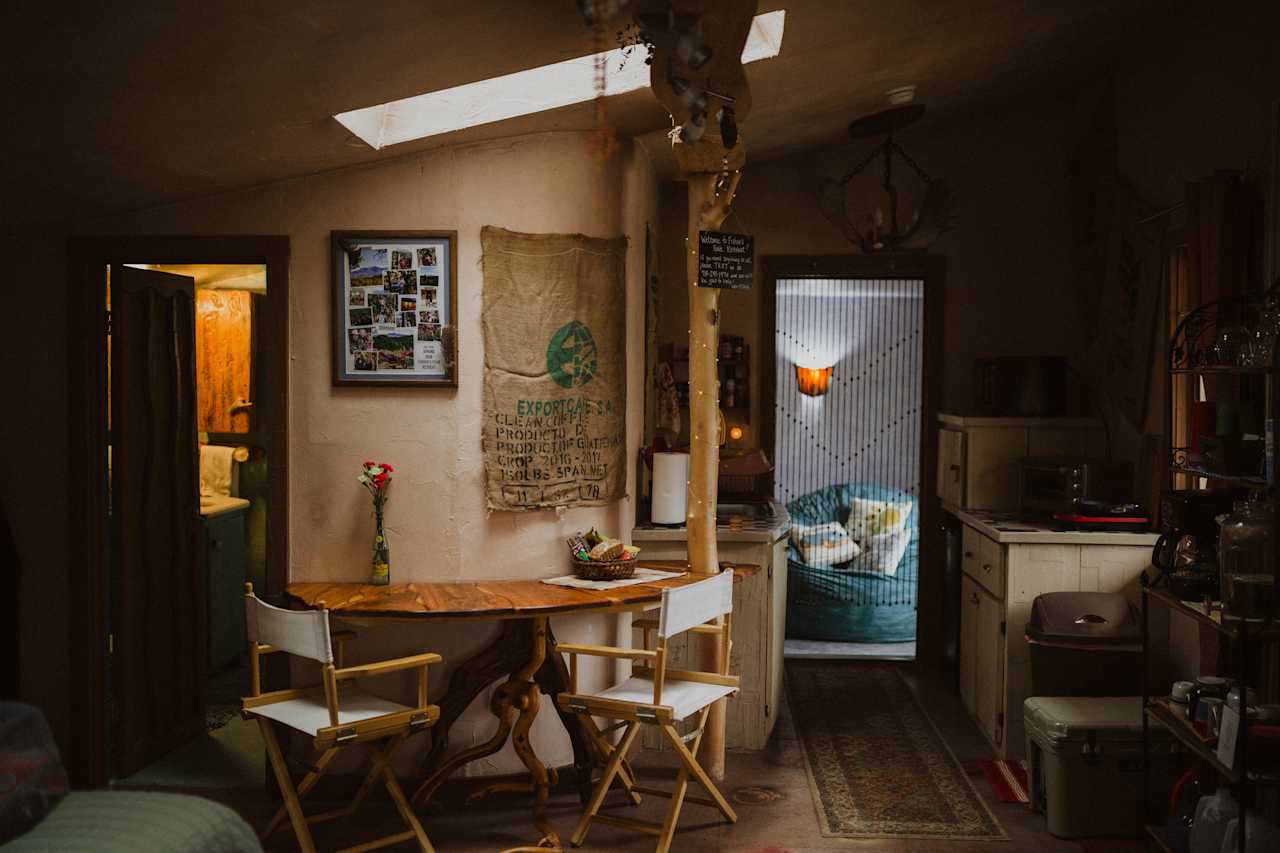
x=686 y=606
x=304 y=633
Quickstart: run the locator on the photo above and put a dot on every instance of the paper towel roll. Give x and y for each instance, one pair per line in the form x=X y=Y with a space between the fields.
x=670 y=488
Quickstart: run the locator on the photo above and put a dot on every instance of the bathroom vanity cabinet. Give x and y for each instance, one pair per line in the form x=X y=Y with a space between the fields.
x=226 y=559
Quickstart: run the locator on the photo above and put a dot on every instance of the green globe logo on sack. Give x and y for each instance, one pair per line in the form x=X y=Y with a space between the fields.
x=571 y=355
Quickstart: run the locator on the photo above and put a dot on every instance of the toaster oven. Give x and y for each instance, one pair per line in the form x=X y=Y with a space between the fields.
x=1058 y=484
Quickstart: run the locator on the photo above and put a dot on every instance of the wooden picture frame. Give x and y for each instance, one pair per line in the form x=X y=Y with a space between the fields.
x=376 y=339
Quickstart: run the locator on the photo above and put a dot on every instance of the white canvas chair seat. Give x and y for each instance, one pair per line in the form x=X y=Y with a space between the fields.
x=658 y=697
x=335 y=714
x=310 y=713
x=684 y=698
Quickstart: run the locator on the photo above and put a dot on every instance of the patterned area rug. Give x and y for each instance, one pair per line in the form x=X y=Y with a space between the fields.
x=877 y=765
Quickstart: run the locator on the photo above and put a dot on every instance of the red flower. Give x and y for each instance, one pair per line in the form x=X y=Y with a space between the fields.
x=368 y=464
x=386 y=467
x=381 y=480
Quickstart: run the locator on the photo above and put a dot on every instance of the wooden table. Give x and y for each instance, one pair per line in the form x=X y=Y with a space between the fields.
x=524 y=652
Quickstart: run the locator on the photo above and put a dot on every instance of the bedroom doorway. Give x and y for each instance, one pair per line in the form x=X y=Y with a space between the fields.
x=851 y=441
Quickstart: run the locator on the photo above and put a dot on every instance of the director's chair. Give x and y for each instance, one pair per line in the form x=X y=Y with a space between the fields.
x=657 y=696
x=335 y=714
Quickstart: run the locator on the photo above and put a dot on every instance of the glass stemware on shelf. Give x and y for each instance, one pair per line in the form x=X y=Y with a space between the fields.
x=1244 y=344
x=1264 y=333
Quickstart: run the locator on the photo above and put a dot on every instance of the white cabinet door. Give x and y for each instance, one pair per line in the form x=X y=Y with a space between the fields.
x=989 y=665
x=992 y=473
x=777 y=632
x=950 y=485
x=969 y=603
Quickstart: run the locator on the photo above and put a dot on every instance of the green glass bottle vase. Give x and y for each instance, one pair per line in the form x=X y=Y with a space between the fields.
x=381 y=575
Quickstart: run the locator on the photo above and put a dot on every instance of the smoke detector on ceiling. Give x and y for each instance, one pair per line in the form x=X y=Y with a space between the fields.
x=901 y=95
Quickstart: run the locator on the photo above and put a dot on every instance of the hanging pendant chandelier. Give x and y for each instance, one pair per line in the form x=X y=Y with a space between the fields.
x=880 y=230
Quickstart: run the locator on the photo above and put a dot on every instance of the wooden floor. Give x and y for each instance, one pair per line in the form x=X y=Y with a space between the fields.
x=769 y=789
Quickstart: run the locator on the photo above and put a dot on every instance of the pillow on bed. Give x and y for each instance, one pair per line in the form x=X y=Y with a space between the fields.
x=824 y=544
x=882 y=552
x=867 y=518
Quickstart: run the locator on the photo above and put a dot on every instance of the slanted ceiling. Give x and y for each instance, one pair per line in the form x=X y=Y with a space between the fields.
x=117 y=107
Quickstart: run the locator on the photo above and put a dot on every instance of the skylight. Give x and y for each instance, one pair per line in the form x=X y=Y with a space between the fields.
x=525 y=92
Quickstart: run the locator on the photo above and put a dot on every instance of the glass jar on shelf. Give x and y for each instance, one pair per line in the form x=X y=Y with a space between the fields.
x=1231 y=349
x=1246 y=560
x=1260 y=347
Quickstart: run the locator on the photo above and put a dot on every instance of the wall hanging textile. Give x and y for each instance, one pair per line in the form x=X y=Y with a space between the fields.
x=555 y=395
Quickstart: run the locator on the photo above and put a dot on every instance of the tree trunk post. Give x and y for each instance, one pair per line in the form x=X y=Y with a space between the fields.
x=707 y=210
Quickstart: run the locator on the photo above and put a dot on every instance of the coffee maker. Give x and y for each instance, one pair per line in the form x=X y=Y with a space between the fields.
x=1192 y=512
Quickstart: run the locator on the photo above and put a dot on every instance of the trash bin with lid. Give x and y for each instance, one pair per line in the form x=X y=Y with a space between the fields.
x=1084 y=644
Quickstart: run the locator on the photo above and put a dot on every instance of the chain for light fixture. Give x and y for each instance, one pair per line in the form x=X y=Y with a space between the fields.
x=931 y=219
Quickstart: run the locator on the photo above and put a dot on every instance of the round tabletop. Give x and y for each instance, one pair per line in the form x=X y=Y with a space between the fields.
x=511 y=599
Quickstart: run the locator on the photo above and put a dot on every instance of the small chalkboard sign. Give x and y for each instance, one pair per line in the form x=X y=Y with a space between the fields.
x=725 y=261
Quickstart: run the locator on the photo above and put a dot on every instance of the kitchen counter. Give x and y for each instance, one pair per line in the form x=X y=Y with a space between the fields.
x=733 y=529
x=759 y=537
x=1013 y=528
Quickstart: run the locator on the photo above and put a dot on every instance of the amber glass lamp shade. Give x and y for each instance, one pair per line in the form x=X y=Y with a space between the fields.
x=813 y=381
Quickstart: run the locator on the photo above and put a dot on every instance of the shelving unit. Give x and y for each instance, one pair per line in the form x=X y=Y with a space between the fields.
x=1160 y=711
x=1189 y=342
x=1198 y=471
x=1157 y=836
x=736 y=367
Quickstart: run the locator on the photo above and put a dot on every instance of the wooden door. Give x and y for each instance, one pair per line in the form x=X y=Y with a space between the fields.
x=158 y=614
x=969 y=602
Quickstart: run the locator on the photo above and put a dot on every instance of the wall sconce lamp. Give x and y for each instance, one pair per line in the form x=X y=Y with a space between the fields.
x=813 y=381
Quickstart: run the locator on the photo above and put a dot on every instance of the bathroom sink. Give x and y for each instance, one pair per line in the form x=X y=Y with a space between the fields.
x=762 y=511
x=219 y=504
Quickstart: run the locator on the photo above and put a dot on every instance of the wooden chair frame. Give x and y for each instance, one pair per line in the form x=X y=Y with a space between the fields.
x=652 y=662
x=393 y=729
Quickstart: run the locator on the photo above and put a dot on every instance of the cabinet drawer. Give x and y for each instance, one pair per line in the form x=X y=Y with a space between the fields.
x=983 y=560
x=971 y=551
x=991 y=567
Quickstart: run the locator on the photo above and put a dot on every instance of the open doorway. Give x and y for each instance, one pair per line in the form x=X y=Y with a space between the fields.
x=189 y=499
x=188 y=364
x=851 y=402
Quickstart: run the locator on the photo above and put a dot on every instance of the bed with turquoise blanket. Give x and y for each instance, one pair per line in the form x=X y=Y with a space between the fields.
x=831 y=603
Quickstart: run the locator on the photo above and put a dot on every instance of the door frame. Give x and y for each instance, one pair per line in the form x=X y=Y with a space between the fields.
x=931 y=592
x=88 y=259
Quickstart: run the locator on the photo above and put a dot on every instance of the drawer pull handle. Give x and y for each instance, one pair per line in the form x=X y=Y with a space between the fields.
x=986 y=567
x=968 y=555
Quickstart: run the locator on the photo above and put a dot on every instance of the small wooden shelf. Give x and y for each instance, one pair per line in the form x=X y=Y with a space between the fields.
x=1243 y=479
x=1160 y=711
x=1213 y=619
x=1208 y=369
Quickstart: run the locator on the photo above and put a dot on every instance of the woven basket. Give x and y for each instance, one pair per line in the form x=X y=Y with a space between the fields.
x=600 y=570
